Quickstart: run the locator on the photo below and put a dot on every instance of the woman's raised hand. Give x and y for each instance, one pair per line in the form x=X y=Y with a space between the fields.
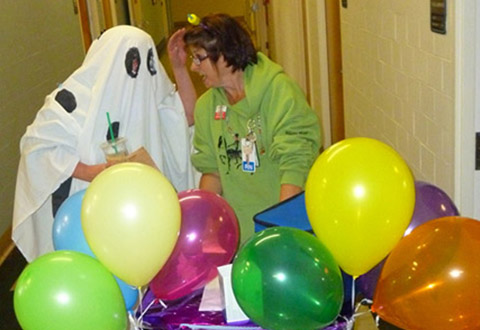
x=176 y=49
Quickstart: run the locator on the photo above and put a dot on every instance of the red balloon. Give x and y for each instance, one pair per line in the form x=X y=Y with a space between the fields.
x=431 y=279
x=209 y=236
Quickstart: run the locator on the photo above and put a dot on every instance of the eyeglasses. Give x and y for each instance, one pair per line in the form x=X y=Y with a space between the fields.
x=198 y=59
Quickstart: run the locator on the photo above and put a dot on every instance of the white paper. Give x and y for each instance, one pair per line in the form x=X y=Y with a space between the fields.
x=212 y=297
x=233 y=312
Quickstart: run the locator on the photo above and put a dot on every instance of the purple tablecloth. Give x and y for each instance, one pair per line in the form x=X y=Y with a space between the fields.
x=181 y=313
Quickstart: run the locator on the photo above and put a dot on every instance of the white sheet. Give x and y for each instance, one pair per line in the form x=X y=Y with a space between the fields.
x=147 y=106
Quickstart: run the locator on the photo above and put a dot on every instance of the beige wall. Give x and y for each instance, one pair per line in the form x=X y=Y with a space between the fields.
x=399 y=83
x=180 y=9
x=41 y=46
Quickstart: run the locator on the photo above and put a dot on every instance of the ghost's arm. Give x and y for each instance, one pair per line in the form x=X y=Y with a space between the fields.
x=88 y=172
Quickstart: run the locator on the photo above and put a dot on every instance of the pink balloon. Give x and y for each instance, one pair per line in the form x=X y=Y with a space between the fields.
x=209 y=236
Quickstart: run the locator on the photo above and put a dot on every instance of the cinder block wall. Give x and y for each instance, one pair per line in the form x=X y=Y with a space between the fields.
x=399 y=83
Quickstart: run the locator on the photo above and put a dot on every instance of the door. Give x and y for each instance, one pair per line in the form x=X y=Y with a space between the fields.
x=95 y=17
x=256 y=17
x=119 y=12
x=152 y=17
x=476 y=115
x=467 y=104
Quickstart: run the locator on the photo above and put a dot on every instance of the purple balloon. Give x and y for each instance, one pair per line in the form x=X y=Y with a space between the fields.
x=430 y=203
x=209 y=236
x=366 y=283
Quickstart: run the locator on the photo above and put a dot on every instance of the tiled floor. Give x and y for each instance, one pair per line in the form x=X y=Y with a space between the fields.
x=9 y=272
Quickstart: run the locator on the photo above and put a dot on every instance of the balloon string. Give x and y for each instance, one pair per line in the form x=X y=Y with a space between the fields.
x=353 y=293
x=138 y=325
x=351 y=320
x=138 y=322
x=131 y=318
x=140 y=298
x=162 y=303
x=148 y=308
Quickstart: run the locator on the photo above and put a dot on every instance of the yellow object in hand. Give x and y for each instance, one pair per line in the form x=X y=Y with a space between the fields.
x=193 y=19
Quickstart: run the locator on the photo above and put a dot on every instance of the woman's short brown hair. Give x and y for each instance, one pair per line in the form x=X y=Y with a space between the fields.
x=221 y=34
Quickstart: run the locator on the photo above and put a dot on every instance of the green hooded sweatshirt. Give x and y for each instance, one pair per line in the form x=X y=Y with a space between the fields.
x=285 y=130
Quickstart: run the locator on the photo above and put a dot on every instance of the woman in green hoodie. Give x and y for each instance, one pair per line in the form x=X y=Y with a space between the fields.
x=256 y=137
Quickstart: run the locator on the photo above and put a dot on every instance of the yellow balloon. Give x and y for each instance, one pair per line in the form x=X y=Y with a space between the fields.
x=131 y=220
x=360 y=197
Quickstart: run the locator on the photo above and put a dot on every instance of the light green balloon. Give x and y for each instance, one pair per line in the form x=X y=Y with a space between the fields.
x=68 y=290
x=285 y=279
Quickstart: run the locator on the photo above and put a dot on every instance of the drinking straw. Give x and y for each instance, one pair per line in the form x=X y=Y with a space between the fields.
x=111 y=133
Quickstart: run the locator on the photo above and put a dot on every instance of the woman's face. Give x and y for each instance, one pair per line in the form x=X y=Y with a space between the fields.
x=212 y=73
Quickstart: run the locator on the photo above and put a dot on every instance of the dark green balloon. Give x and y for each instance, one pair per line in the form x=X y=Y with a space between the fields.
x=68 y=290
x=285 y=279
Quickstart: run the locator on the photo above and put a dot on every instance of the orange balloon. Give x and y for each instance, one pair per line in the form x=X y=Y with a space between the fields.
x=431 y=279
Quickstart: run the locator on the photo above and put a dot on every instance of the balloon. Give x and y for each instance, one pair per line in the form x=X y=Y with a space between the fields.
x=129 y=293
x=209 y=237
x=431 y=279
x=68 y=235
x=359 y=197
x=131 y=220
x=67 y=231
x=430 y=203
x=68 y=290
x=366 y=283
x=347 y=305
x=285 y=278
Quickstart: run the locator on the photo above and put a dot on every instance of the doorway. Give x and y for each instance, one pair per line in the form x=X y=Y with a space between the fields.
x=467 y=107
x=149 y=15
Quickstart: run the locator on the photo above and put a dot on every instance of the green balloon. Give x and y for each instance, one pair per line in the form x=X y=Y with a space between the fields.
x=68 y=290
x=285 y=279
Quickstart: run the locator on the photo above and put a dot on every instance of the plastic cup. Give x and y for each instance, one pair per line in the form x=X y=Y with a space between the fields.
x=115 y=151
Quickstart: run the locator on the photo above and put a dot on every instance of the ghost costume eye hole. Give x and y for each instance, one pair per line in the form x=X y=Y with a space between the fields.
x=67 y=100
x=132 y=62
x=151 y=62
x=115 y=128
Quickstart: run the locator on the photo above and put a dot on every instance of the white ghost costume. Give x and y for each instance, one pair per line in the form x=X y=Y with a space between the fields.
x=121 y=75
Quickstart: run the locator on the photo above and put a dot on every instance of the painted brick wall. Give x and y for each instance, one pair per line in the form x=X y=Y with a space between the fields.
x=40 y=46
x=399 y=83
